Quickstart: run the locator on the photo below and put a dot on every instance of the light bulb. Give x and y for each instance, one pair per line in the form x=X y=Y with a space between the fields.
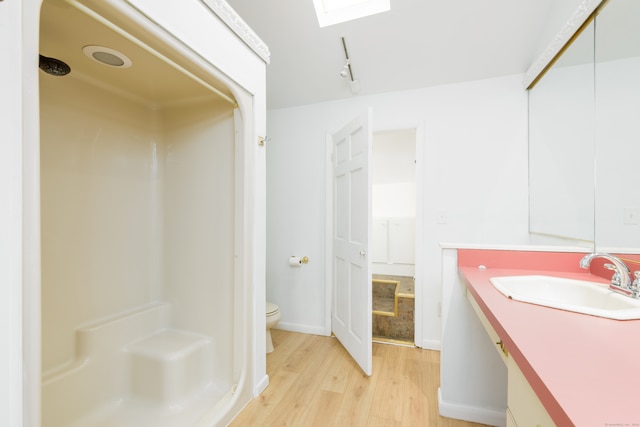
x=344 y=72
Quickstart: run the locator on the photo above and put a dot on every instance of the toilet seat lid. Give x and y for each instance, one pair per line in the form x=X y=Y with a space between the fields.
x=271 y=308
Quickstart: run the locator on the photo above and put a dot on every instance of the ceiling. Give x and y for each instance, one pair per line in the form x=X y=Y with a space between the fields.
x=419 y=43
x=64 y=31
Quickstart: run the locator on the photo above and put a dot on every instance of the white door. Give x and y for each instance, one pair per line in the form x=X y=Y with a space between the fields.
x=351 y=282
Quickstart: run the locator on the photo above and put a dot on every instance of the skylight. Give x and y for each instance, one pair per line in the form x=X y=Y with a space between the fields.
x=331 y=12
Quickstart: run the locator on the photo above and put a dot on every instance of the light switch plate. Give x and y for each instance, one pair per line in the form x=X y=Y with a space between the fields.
x=631 y=216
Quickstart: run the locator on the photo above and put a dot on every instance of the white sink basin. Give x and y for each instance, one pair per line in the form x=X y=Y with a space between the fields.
x=568 y=294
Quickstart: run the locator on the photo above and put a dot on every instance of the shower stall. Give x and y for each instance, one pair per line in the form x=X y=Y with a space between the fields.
x=149 y=214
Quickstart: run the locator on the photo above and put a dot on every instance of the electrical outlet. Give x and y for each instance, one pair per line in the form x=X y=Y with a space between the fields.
x=631 y=216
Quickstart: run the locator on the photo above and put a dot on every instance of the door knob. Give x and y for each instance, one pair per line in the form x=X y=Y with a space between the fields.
x=363 y=253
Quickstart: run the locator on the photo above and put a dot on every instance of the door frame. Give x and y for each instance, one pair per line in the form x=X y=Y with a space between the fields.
x=420 y=174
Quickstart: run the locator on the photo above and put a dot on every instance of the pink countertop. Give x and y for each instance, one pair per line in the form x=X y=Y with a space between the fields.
x=584 y=369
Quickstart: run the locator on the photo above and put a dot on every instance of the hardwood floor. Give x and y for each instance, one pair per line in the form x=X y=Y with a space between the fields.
x=314 y=382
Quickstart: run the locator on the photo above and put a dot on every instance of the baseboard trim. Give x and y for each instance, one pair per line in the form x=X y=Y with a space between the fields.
x=318 y=330
x=261 y=386
x=430 y=344
x=305 y=329
x=475 y=414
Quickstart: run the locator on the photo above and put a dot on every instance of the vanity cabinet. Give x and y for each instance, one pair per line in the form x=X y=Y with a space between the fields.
x=493 y=335
x=523 y=406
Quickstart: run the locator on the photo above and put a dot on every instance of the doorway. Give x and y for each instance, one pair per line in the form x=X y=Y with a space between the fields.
x=394 y=206
x=412 y=269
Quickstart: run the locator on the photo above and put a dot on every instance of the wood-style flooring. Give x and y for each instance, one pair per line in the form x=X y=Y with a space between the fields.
x=314 y=382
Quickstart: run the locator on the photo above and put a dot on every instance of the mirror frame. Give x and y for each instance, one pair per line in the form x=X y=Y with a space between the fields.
x=577 y=22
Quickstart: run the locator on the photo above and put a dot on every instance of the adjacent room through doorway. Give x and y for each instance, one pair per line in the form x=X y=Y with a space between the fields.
x=394 y=231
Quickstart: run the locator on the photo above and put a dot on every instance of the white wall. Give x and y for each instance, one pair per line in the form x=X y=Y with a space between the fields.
x=474 y=174
x=394 y=173
x=12 y=83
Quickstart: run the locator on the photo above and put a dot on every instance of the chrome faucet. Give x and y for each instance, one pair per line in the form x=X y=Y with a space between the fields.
x=621 y=280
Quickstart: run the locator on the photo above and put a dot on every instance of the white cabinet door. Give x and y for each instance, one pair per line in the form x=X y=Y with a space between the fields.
x=522 y=401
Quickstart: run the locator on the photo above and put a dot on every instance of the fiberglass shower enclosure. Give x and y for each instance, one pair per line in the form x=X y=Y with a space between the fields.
x=151 y=209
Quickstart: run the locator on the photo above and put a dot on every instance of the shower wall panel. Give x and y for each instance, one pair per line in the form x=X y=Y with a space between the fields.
x=199 y=224
x=100 y=242
x=137 y=206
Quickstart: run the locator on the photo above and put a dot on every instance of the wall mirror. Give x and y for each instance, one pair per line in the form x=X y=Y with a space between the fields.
x=617 y=130
x=584 y=135
x=561 y=147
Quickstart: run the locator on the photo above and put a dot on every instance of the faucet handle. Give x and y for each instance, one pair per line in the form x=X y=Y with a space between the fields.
x=635 y=286
x=615 y=279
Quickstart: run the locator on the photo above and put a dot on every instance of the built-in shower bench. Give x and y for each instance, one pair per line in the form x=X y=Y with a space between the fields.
x=134 y=356
x=170 y=365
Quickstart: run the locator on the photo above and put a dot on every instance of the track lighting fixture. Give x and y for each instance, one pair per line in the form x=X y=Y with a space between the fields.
x=347 y=71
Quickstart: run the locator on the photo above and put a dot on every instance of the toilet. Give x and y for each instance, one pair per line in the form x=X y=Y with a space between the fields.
x=273 y=316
